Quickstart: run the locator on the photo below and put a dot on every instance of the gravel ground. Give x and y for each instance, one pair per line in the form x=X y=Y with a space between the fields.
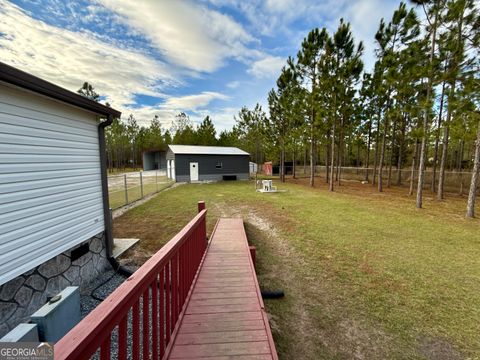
x=99 y=288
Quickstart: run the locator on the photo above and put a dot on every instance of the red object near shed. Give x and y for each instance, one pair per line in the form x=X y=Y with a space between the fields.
x=268 y=168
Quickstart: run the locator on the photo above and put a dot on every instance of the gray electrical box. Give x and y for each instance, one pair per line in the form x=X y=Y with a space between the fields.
x=59 y=315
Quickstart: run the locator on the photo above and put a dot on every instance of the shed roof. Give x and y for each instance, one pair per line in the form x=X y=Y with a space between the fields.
x=206 y=150
x=19 y=78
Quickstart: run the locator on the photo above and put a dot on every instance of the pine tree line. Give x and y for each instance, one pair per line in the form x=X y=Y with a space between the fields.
x=417 y=107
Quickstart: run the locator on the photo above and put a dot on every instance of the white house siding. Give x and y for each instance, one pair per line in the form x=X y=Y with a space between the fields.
x=50 y=182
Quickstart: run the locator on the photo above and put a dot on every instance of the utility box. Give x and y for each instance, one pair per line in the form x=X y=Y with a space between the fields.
x=59 y=315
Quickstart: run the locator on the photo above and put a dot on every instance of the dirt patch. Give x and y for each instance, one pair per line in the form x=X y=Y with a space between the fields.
x=438 y=349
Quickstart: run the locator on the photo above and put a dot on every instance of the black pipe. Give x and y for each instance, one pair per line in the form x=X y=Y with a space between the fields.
x=103 y=173
x=272 y=294
x=119 y=268
x=107 y=214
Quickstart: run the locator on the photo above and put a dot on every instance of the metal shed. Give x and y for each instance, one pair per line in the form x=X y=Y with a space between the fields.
x=154 y=159
x=191 y=163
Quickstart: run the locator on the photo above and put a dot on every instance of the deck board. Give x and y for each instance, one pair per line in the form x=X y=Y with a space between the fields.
x=225 y=316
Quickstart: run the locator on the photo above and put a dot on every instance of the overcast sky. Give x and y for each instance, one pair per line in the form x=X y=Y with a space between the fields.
x=208 y=57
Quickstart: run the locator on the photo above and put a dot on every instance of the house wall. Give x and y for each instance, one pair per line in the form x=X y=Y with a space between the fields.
x=50 y=183
x=25 y=294
x=231 y=165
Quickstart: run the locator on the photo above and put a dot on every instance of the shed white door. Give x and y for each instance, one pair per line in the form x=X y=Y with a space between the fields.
x=194 y=171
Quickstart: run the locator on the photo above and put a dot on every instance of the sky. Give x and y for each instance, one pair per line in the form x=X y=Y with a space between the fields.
x=147 y=58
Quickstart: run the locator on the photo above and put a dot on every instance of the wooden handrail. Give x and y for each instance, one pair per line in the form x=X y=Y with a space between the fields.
x=149 y=301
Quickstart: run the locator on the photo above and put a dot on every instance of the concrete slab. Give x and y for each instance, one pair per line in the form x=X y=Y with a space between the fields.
x=122 y=245
x=22 y=333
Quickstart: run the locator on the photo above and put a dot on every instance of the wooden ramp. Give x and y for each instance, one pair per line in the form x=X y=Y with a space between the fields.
x=225 y=316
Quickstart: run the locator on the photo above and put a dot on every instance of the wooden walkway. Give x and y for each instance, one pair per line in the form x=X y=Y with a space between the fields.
x=225 y=316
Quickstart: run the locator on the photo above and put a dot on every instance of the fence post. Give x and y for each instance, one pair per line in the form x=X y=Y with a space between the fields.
x=201 y=206
x=156 y=180
x=141 y=185
x=126 y=189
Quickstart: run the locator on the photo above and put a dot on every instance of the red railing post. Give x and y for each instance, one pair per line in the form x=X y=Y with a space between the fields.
x=162 y=312
x=201 y=206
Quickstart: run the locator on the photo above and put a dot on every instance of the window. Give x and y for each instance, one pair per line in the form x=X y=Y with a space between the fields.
x=219 y=165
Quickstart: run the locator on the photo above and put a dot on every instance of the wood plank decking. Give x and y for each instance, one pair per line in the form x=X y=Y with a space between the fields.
x=225 y=316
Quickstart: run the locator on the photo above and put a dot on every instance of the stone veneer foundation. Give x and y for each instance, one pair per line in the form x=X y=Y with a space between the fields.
x=22 y=296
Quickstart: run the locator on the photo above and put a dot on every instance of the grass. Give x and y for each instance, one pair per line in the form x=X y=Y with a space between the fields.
x=366 y=275
x=117 y=196
x=117 y=171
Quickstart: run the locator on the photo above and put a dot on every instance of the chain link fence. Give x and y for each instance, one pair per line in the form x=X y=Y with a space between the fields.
x=455 y=181
x=126 y=188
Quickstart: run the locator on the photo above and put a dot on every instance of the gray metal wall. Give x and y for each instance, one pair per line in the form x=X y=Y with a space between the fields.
x=231 y=165
x=152 y=157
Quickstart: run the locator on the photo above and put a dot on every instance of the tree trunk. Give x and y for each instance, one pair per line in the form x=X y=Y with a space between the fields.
x=437 y=140
x=294 y=170
x=443 y=161
x=472 y=195
x=357 y=161
x=312 y=172
x=340 y=152
x=305 y=159
x=282 y=161
x=460 y=166
x=382 y=156
x=332 y=167
x=376 y=151
x=367 y=162
x=394 y=130
x=327 y=158
x=400 y=151
x=421 y=164
x=412 y=175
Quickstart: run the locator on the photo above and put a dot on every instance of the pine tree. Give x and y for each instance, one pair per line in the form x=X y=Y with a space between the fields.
x=392 y=39
x=89 y=92
x=343 y=67
x=206 y=133
x=433 y=14
x=308 y=59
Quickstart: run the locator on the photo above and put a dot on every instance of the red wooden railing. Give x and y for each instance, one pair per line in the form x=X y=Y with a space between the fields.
x=136 y=321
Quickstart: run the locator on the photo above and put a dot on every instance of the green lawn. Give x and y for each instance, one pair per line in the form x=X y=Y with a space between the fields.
x=117 y=196
x=365 y=276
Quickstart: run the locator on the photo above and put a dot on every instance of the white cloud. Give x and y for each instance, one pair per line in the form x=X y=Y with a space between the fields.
x=69 y=58
x=194 y=105
x=268 y=67
x=364 y=16
x=192 y=102
x=233 y=84
x=292 y=19
x=187 y=33
x=223 y=118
